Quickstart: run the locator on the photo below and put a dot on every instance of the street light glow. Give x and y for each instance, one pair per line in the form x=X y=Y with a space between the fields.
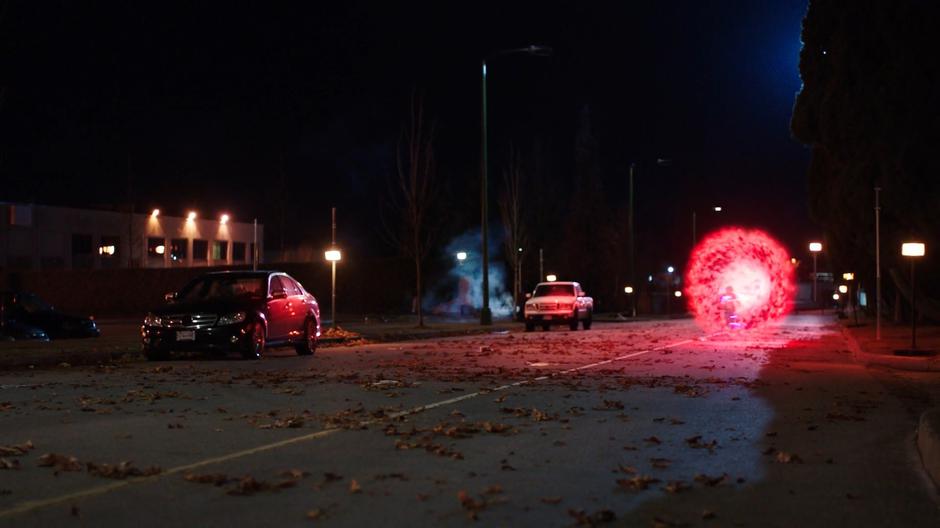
x=551 y=277
x=628 y=290
x=670 y=269
x=461 y=256
x=835 y=296
x=843 y=288
x=848 y=276
x=815 y=247
x=333 y=255
x=717 y=208
x=678 y=293
x=191 y=216
x=155 y=213
x=912 y=249
x=224 y=218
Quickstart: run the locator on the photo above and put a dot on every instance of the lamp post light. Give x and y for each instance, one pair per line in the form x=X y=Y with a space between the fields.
x=669 y=271
x=716 y=209
x=333 y=255
x=913 y=250
x=486 y=316
x=461 y=256
x=850 y=277
x=551 y=277
x=814 y=248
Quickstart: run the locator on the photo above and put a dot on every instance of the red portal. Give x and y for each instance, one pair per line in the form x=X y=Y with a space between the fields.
x=739 y=278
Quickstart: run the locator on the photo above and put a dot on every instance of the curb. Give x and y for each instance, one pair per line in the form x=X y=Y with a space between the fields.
x=914 y=364
x=928 y=443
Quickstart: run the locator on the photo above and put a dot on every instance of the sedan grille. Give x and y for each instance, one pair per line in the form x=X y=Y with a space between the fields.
x=190 y=320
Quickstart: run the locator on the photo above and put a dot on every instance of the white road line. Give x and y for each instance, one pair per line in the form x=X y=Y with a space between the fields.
x=29 y=506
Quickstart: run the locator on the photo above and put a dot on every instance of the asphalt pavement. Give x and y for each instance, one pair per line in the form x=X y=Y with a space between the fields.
x=638 y=424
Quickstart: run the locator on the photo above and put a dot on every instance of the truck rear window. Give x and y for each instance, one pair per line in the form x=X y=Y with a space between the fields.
x=547 y=290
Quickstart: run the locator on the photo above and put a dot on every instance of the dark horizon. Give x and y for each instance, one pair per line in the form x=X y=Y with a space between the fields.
x=194 y=107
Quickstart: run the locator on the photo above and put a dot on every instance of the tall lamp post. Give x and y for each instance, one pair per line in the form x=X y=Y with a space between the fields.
x=486 y=316
x=333 y=255
x=662 y=162
x=850 y=278
x=913 y=250
x=716 y=209
x=814 y=248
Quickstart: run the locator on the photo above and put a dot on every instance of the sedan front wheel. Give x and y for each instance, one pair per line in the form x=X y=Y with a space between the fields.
x=254 y=342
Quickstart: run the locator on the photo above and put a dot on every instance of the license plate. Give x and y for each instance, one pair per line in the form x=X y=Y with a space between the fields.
x=186 y=335
x=548 y=318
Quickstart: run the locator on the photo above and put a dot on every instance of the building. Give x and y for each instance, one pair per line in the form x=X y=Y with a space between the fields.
x=41 y=237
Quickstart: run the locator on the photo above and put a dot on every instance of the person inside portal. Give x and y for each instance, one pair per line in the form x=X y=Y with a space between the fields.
x=728 y=304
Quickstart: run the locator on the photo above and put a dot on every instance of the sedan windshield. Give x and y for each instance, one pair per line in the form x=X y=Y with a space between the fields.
x=217 y=288
x=33 y=303
x=547 y=290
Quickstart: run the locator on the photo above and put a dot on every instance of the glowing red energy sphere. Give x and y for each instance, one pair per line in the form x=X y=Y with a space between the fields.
x=739 y=278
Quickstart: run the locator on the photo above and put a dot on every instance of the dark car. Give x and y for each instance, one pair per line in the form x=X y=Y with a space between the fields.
x=15 y=331
x=28 y=310
x=244 y=311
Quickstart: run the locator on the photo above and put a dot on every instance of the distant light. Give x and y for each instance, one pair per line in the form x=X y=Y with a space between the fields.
x=224 y=219
x=551 y=278
x=160 y=250
x=825 y=52
x=191 y=216
x=835 y=296
x=649 y=279
x=815 y=247
x=912 y=249
x=848 y=276
x=843 y=288
x=793 y=261
x=717 y=208
x=155 y=213
x=678 y=293
x=461 y=256
x=628 y=289
x=333 y=255
x=484 y=69
x=670 y=269
x=520 y=250
x=106 y=250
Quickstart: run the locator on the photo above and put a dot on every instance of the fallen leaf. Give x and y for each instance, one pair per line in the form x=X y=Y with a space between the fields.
x=551 y=500
x=354 y=486
x=16 y=450
x=9 y=463
x=637 y=483
x=711 y=481
x=676 y=486
x=60 y=462
x=788 y=458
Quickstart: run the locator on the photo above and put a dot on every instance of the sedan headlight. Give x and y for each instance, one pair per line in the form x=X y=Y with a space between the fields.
x=232 y=318
x=153 y=320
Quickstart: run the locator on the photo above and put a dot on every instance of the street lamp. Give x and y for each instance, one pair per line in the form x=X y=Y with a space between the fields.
x=814 y=248
x=662 y=162
x=716 y=209
x=913 y=250
x=551 y=277
x=461 y=256
x=223 y=219
x=333 y=256
x=628 y=290
x=486 y=316
x=849 y=277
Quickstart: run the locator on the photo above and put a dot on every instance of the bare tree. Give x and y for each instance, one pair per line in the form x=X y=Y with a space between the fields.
x=412 y=193
x=513 y=216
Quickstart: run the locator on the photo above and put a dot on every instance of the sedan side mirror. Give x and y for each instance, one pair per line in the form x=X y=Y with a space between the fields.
x=279 y=294
x=170 y=297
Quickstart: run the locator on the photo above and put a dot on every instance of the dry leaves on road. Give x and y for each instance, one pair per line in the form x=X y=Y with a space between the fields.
x=9 y=463
x=60 y=462
x=637 y=483
x=695 y=442
x=788 y=458
x=592 y=519
x=120 y=470
x=17 y=449
x=711 y=481
x=676 y=486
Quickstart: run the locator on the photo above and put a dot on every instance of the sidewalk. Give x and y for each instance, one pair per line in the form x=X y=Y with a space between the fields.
x=882 y=353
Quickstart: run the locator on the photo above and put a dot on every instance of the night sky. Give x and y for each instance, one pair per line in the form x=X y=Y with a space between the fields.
x=255 y=108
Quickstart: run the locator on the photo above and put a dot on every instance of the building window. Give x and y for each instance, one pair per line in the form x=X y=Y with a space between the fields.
x=108 y=246
x=220 y=250
x=238 y=252
x=200 y=250
x=156 y=247
x=178 y=247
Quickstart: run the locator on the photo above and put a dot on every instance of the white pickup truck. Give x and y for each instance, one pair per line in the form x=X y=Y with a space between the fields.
x=556 y=303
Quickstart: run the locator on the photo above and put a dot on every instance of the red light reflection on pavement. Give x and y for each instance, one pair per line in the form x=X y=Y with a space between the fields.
x=753 y=265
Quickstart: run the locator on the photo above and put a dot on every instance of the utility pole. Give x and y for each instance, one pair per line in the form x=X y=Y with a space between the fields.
x=541 y=266
x=877 y=265
x=632 y=244
x=254 y=246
